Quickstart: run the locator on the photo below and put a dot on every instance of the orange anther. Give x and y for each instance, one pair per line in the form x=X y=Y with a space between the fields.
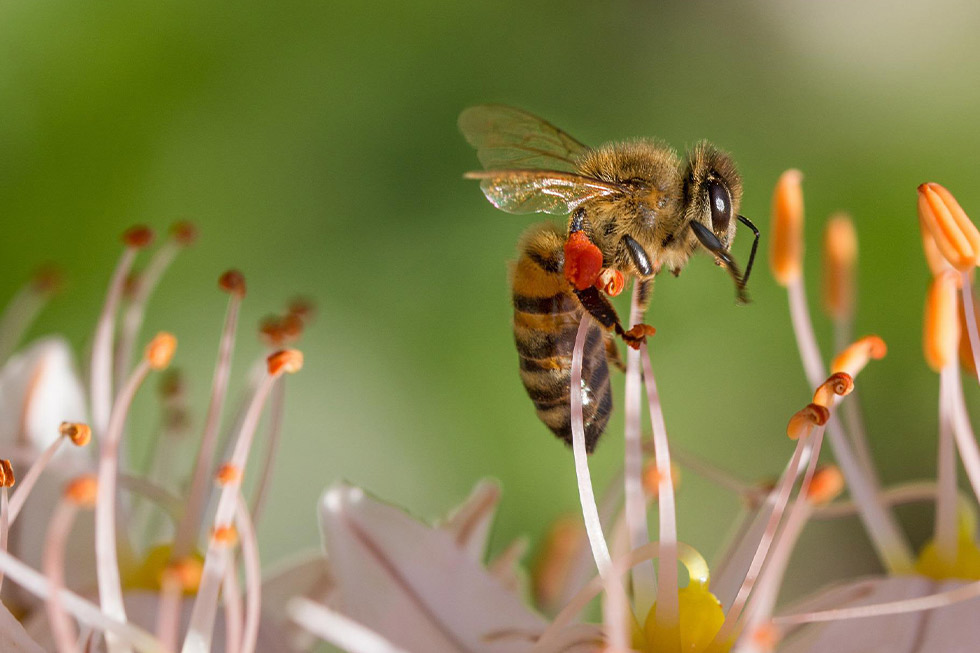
x=840 y=250
x=802 y=423
x=185 y=573
x=138 y=237
x=301 y=307
x=583 y=261
x=786 y=253
x=611 y=282
x=651 y=478
x=48 y=279
x=956 y=237
x=941 y=327
x=765 y=637
x=171 y=385
x=286 y=361
x=160 y=350
x=826 y=485
x=228 y=473
x=82 y=491
x=853 y=359
x=839 y=384
x=225 y=535
x=6 y=473
x=80 y=434
x=183 y=232
x=233 y=282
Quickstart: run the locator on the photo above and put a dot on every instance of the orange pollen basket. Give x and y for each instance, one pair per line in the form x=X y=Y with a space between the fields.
x=583 y=261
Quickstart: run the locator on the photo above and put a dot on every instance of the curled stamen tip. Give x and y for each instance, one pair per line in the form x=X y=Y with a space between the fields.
x=6 y=473
x=611 y=282
x=186 y=573
x=787 y=228
x=651 y=478
x=232 y=282
x=160 y=350
x=826 y=485
x=228 y=473
x=840 y=254
x=955 y=236
x=225 y=535
x=941 y=326
x=286 y=361
x=82 y=491
x=138 y=237
x=183 y=232
x=801 y=423
x=853 y=359
x=80 y=434
x=48 y=279
x=840 y=384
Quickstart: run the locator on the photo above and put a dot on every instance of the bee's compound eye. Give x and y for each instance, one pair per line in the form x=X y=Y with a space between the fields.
x=721 y=206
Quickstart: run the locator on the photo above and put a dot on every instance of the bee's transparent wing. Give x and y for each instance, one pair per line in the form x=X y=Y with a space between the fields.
x=505 y=137
x=540 y=191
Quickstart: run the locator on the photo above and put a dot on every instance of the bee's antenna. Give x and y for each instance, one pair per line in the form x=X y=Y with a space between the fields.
x=713 y=245
x=755 y=246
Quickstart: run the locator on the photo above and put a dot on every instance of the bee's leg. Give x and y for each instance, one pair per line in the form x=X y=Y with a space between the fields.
x=612 y=352
x=599 y=308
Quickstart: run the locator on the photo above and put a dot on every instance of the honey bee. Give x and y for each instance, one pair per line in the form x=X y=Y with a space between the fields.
x=635 y=208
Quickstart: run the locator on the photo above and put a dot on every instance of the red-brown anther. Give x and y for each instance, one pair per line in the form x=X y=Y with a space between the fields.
x=941 y=327
x=804 y=420
x=80 y=434
x=611 y=282
x=291 y=327
x=840 y=250
x=176 y=420
x=786 y=253
x=131 y=284
x=171 y=384
x=225 y=535
x=48 y=279
x=853 y=359
x=301 y=307
x=271 y=331
x=233 y=282
x=82 y=491
x=839 y=383
x=228 y=473
x=138 y=237
x=160 y=350
x=183 y=232
x=6 y=473
x=955 y=235
x=583 y=261
x=826 y=485
x=286 y=361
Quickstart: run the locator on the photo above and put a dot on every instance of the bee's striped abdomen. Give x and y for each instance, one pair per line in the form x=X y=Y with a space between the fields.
x=546 y=320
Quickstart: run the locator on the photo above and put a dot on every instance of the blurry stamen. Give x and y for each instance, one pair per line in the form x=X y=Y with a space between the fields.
x=233 y=283
x=337 y=629
x=6 y=481
x=24 y=308
x=78 y=433
x=100 y=384
x=253 y=576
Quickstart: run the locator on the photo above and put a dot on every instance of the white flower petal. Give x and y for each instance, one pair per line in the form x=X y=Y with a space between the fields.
x=413 y=585
x=13 y=637
x=951 y=629
x=39 y=389
x=470 y=523
x=307 y=576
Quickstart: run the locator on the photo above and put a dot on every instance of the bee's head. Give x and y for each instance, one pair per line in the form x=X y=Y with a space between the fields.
x=712 y=196
x=712 y=191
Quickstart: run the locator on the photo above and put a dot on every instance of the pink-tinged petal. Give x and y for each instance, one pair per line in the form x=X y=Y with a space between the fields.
x=142 y=609
x=308 y=576
x=39 y=389
x=950 y=629
x=470 y=523
x=13 y=637
x=413 y=585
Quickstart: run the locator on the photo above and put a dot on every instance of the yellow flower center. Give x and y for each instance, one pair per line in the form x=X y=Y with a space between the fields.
x=966 y=564
x=149 y=574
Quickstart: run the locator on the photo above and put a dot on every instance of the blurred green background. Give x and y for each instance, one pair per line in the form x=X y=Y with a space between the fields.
x=315 y=145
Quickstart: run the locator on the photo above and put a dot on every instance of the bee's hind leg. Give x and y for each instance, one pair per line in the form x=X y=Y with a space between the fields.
x=599 y=307
x=612 y=352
